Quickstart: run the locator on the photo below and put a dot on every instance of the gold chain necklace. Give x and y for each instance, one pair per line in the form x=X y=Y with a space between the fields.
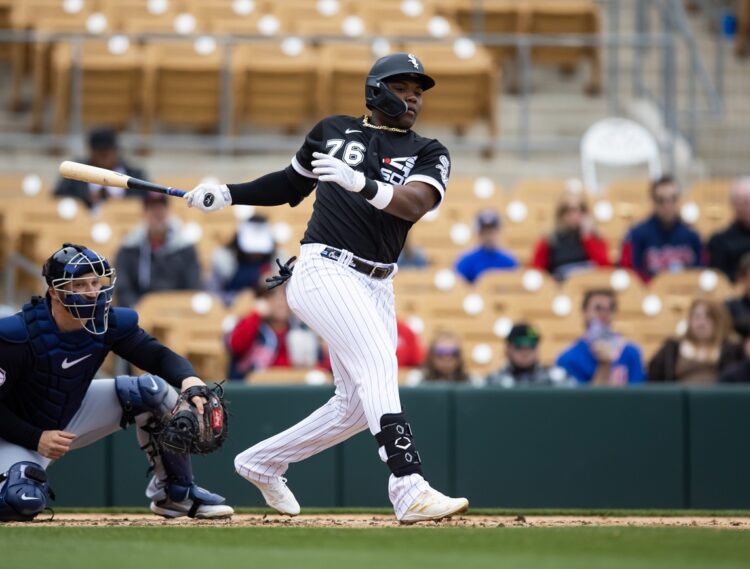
x=366 y=122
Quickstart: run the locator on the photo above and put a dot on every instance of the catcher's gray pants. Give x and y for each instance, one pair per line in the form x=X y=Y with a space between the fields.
x=98 y=416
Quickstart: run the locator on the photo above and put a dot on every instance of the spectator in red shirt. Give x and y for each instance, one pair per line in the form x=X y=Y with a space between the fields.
x=409 y=351
x=271 y=336
x=574 y=244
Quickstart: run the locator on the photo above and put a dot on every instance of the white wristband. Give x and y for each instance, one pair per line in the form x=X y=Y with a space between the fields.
x=383 y=197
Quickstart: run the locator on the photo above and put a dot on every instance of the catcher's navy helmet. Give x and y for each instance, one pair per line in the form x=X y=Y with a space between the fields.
x=74 y=262
x=377 y=94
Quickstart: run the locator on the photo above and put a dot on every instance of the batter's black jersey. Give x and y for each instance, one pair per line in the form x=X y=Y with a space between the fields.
x=346 y=220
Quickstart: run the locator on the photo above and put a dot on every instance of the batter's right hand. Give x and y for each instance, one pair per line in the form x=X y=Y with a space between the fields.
x=54 y=444
x=209 y=197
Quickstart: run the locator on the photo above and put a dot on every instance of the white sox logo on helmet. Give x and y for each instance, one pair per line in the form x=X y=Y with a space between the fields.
x=413 y=60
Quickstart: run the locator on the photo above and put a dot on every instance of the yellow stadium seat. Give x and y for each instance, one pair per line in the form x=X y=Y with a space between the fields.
x=678 y=289
x=272 y=88
x=181 y=87
x=551 y=17
x=25 y=16
x=467 y=91
x=110 y=85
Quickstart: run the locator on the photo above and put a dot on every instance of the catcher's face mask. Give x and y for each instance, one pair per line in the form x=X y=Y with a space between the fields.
x=85 y=289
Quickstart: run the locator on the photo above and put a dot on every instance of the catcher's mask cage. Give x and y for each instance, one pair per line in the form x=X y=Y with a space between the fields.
x=379 y=96
x=78 y=264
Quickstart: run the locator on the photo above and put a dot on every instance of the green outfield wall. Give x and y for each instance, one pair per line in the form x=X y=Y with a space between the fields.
x=647 y=447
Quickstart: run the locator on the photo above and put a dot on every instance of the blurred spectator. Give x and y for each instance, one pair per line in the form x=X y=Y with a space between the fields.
x=740 y=372
x=412 y=256
x=739 y=308
x=702 y=352
x=488 y=255
x=523 y=366
x=155 y=256
x=444 y=362
x=409 y=350
x=602 y=356
x=103 y=153
x=662 y=242
x=271 y=336
x=726 y=247
x=574 y=244
x=239 y=265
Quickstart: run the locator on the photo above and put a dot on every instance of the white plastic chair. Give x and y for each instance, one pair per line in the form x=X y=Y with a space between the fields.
x=617 y=142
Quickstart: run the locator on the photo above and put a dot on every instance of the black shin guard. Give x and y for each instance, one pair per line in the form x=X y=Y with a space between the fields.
x=395 y=435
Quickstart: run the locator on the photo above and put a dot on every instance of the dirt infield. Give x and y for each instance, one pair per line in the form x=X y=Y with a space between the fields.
x=379 y=521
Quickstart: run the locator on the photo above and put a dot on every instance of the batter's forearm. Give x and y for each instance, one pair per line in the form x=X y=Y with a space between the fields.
x=276 y=188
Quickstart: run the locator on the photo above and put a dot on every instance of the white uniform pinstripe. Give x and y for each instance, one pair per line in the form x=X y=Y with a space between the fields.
x=355 y=315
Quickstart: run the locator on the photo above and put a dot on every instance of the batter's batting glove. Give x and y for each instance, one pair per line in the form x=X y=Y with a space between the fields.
x=330 y=169
x=209 y=197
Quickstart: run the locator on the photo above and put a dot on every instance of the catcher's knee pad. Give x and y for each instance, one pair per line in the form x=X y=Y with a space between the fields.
x=142 y=394
x=25 y=492
x=396 y=437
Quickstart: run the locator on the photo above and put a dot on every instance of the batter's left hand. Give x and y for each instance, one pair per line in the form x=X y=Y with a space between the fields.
x=330 y=169
x=197 y=401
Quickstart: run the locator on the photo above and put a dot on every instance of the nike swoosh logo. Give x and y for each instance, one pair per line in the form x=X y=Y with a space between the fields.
x=66 y=364
x=154 y=387
x=351 y=130
x=25 y=497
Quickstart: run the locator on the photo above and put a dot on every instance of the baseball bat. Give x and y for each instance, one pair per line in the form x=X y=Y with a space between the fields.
x=104 y=177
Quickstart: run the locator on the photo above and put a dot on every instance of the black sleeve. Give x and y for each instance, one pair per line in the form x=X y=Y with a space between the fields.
x=146 y=352
x=276 y=188
x=14 y=360
x=718 y=258
x=17 y=431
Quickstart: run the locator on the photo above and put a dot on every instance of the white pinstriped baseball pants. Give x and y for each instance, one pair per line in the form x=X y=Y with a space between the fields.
x=356 y=316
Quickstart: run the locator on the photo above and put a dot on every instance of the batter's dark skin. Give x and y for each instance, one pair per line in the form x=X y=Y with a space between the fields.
x=412 y=201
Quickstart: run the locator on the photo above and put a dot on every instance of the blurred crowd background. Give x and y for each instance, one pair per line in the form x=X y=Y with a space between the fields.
x=596 y=228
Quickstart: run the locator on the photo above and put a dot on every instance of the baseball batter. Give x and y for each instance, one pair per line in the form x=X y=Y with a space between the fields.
x=374 y=178
x=49 y=405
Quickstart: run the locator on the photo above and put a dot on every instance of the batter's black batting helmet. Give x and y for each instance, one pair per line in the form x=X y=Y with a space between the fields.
x=379 y=96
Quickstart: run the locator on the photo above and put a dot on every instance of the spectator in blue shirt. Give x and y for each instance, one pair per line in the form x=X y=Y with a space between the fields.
x=602 y=356
x=488 y=255
x=662 y=242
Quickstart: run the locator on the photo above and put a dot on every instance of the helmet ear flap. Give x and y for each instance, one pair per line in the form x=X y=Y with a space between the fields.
x=379 y=96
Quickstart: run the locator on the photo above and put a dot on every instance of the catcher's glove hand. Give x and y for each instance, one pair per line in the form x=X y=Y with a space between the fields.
x=186 y=431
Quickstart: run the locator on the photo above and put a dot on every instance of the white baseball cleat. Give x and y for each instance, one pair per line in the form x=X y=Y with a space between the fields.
x=278 y=496
x=431 y=505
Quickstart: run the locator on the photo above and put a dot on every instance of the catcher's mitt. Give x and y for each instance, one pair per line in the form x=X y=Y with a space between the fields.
x=185 y=431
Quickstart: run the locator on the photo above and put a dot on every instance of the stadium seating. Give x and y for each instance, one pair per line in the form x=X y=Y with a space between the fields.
x=273 y=88
x=111 y=84
x=743 y=28
x=181 y=86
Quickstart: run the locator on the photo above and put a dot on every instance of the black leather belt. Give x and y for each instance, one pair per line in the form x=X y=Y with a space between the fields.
x=359 y=265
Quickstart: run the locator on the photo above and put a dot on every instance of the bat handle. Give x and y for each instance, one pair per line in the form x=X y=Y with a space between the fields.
x=175 y=192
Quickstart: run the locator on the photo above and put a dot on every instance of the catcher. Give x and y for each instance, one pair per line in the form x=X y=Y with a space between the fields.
x=49 y=405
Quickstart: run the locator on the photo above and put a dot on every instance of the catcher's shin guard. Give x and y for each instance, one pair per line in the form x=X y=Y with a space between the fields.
x=25 y=492
x=142 y=394
x=151 y=394
x=396 y=437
